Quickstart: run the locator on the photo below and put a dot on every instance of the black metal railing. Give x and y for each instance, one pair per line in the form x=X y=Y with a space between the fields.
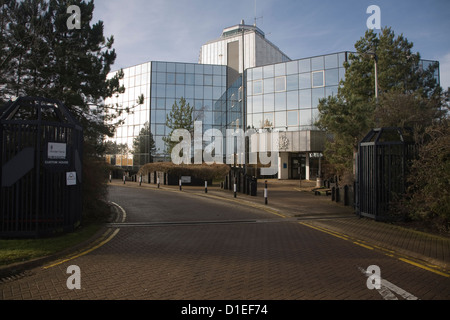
x=382 y=167
x=41 y=160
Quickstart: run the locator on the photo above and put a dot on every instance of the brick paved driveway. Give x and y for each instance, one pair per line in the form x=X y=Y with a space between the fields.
x=185 y=247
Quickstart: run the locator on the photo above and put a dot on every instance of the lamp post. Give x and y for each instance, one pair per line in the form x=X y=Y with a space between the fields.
x=375 y=58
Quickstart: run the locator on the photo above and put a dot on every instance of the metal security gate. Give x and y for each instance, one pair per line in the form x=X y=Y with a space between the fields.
x=382 y=166
x=41 y=161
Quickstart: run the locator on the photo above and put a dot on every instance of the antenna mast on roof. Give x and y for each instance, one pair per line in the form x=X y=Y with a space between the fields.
x=256 y=18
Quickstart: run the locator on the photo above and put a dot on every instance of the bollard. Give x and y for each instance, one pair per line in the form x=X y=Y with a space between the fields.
x=265 y=192
x=235 y=187
x=158 y=182
x=206 y=186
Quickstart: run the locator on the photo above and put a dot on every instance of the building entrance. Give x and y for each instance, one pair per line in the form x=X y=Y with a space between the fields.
x=298 y=166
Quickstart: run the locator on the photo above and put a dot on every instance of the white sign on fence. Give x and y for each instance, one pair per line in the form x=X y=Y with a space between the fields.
x=71 y=178
x=56 y=150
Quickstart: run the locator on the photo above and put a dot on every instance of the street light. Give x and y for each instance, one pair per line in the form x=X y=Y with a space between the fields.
x=375 y=58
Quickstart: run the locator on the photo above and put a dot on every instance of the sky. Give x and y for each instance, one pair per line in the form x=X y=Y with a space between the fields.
x=175 y=30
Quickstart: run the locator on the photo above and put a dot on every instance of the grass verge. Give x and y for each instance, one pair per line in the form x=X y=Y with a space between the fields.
x=21 y=250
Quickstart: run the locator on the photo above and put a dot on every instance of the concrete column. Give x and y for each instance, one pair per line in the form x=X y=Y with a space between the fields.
x=283 y=166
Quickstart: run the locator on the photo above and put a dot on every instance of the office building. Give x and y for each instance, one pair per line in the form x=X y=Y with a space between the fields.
x=242 y=81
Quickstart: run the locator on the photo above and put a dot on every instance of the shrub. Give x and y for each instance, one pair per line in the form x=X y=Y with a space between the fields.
x=428 y=196
x=200 y=171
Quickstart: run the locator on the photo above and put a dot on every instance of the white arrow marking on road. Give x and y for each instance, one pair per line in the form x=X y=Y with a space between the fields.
x=387 y=288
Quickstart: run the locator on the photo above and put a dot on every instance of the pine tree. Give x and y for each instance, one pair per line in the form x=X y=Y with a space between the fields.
x=41 y=56
x=143 y=146
x=181 y=117
x=355 y=110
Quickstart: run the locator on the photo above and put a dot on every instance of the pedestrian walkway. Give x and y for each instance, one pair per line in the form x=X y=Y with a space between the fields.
x=295 y=200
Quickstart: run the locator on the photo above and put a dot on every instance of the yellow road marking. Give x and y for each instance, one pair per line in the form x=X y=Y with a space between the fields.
x=86 y=251
x=390 y=253
x=432 y=269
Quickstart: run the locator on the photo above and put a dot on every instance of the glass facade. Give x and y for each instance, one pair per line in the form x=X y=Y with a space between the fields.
x=286 y=95
x=203 y=87
x=282 y=96
x=129 y=139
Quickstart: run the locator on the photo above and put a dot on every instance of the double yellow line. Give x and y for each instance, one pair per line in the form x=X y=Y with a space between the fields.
x=104 y=239
x=413 y=261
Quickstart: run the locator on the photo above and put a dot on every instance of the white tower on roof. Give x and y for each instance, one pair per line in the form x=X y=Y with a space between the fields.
x=241 y=47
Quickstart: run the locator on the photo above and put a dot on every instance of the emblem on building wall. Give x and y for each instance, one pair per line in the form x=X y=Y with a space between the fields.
x=283 y=142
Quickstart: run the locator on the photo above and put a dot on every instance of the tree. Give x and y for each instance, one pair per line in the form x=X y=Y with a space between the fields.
x=40 y=56
x=428 y=198
x=355 y=110
x=143 y=146
x=180 y=117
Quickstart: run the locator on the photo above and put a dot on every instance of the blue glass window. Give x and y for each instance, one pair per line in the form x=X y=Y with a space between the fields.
x=292 y=67
x=269 y=102
x=305 y=80
x=190 y=68
x=257 y=120
x=280 y=84
x=189 y=92
x=180 y=78
x=305 y=99
x=331 y=61
x=190 y=79
x=292 y=82
x=280 y=101
x=292 y=100
x=317 y=94
x=249 y=105
x=208 y=80
x=257 y=87
x=268 y=85
x=280 y=69
x=317 y=79
x=268 y=71
x=160 y=116
x=268 y=120
x=292 y=118
x=257 y=73
x=332 y=77
x=280 y=119
x=160 y=66
x=304 y=65
x=257 y=104
x=305 y=117
x=171 y=67
x=317 y=63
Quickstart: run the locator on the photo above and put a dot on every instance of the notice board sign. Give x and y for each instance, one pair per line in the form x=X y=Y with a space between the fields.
x=56 y=150
x=57 y=157
x=185 y=179
x=71 y=178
